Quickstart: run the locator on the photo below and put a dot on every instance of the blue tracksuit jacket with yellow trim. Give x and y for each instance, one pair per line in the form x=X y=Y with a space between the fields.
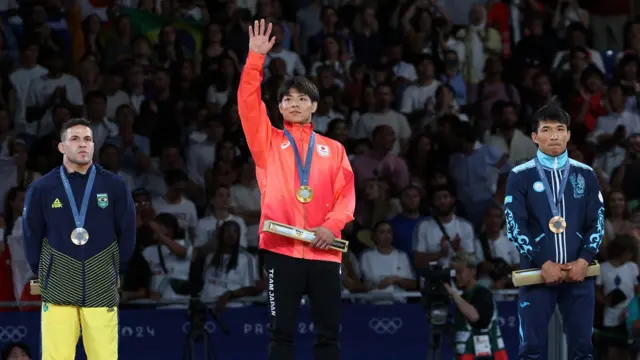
x=527 y=212
x=69 y=274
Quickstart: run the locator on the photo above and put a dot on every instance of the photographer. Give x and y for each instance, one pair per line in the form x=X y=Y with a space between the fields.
x=476 y=319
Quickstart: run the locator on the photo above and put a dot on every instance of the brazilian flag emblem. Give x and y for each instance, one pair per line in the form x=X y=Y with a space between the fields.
x=103 y=200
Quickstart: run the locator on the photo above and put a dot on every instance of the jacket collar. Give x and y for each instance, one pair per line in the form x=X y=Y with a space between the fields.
x=553 y=162
x=296 y=129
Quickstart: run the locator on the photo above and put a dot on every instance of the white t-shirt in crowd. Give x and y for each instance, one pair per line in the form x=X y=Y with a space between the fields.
x=174 y=268
x=291 y=59
x=376 y=266
x=416 y=96
x=218 y=281
x=207 y=226
x=248 y=199
x=21 y=80
x=363 y=128
x=185 y=211
x=625 y=278
x=428 y=235
x=500 y=248
x=40 y=92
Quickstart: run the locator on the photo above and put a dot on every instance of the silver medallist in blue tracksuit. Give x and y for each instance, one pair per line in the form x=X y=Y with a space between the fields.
x=538 y=191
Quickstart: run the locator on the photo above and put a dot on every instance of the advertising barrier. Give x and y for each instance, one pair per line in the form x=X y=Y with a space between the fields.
x=375 y=332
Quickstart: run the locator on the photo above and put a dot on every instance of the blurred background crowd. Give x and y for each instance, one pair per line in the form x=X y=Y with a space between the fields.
x=432 y=100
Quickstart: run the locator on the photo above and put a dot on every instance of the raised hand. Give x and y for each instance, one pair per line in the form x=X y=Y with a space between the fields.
x=259 y=41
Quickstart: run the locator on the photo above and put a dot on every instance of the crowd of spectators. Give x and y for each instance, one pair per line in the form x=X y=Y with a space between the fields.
x=431 y=99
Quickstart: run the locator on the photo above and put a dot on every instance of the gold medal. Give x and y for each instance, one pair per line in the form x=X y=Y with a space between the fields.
x=557 y=224
x=304 y=194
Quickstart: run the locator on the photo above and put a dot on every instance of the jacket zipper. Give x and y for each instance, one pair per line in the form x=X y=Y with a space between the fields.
x=304 y=214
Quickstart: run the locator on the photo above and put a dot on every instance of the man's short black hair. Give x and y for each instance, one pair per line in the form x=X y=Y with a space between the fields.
x=551 y=112
x=71 y=123
x=95 y=94
x=302 y=85
x=440 y=188
x=464 y=130
x=379 y=130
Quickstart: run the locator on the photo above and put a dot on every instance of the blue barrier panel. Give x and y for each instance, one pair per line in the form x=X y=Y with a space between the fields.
x=368 y=331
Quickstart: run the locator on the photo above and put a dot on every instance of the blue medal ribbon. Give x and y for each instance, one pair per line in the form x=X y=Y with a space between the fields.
x=547 y=188
x=78 y=218
x=303 y=170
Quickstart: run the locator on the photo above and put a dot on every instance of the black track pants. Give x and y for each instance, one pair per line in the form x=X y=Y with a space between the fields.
x=288 y=279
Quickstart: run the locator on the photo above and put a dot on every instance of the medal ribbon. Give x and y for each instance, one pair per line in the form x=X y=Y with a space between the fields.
x=547 y=188
x=303 y=171
x=78 y=218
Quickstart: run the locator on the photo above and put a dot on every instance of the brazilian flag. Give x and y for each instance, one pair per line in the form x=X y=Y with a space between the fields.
x=189 y=33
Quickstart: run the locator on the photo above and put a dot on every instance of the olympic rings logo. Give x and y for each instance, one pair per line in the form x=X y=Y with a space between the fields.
x=209 y=326
x=12 y=333
x=385 y=325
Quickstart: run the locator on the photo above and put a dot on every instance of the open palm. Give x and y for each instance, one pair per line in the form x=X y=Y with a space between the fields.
x=259 y=41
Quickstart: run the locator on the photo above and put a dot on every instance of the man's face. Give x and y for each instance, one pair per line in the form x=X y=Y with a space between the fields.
x=329 y=17
x=384 y=97
x=161 y=81
x=77 y=144
x=384 y=235
x=410 y=199
x=616 y=98
x=109 y=158
x=537 y=27
x=509 y=117
x=443 y=202
x=297 y=107
x=542 y=86
x=494 y=67
x=278 y=67
x=463 y=275
x=425 y=69
x=180 y=187
x=97 y=108
x=30 y=54
x=395 y=53
x=144 y=207
x=385 y=139
x=222 y=199
x=215 y=131
x=171 y=159
x=552 y=137
x=493 y=220
x=278 y=33
x=579 y=61
x=325 y=105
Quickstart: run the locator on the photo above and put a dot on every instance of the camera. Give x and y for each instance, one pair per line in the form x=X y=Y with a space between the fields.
x=435 y=297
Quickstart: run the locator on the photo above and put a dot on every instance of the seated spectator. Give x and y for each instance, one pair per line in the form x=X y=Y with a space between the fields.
x=381 y=163
x=494 y=250
x=576 y=38
x=617 y=216
x=219 y=213
x=438 y=237
x=508 y=137
x=169 y=258
x=228 y=272
x=385 y=268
